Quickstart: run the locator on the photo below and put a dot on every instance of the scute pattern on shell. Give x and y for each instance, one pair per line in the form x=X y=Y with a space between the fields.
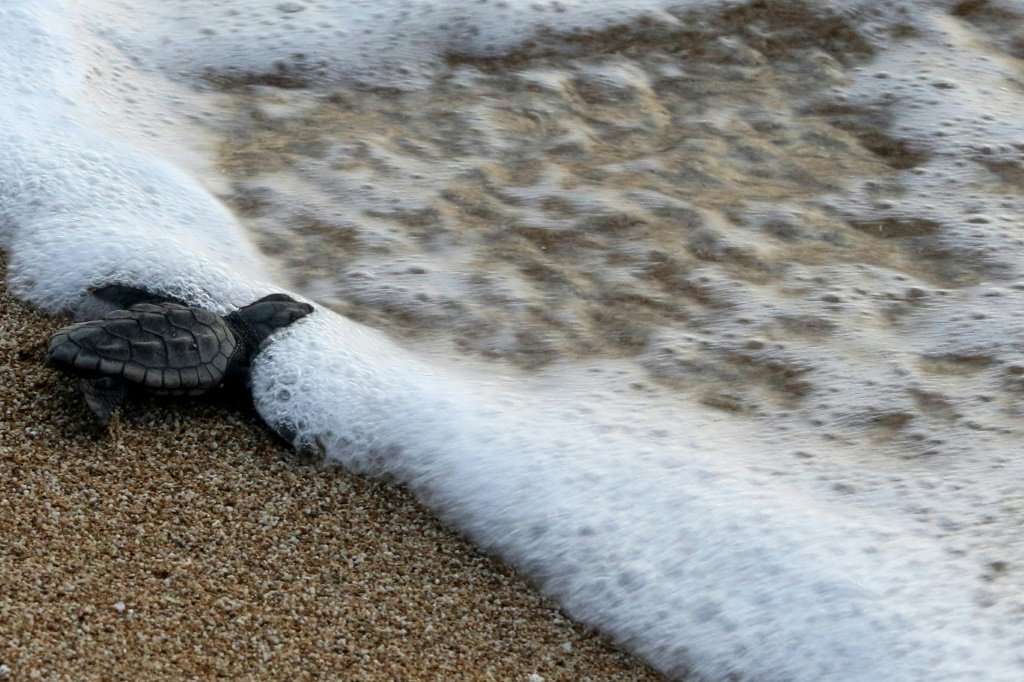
x=162 y=347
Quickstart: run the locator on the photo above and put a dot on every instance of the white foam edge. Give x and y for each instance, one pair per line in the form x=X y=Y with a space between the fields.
x=678 y=552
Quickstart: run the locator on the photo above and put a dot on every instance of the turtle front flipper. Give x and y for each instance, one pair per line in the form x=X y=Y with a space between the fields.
x=101 y=301
x=122 y=296
x=103 y=396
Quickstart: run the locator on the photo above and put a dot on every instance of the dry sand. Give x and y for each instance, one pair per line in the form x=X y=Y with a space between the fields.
x=197 y=545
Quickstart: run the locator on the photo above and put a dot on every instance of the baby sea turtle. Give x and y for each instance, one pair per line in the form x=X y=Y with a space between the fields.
x=165 y=347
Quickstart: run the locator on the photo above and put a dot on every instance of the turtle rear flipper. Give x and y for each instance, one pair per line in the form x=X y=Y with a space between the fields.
x=103 y=396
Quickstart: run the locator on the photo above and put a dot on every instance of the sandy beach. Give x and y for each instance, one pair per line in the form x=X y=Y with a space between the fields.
x=197 y=545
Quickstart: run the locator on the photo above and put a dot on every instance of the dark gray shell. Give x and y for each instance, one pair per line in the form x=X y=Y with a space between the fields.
x=165 y=347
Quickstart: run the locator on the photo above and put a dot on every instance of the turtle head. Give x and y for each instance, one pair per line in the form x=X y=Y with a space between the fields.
x=269 y=314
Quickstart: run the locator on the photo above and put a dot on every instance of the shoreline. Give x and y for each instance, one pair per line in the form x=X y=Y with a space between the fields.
x=199 y=545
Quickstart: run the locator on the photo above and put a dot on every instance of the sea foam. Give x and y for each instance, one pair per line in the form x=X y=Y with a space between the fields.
x=655 y=523
x=669 y=544
x=394 y=43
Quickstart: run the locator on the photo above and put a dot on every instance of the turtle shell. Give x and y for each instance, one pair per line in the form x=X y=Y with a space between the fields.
x=162 y=347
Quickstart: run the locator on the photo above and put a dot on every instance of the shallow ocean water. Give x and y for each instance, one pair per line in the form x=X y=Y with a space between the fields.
x=706 y=317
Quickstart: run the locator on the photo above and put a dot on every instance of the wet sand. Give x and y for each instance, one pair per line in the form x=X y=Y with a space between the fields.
x=197 y=545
